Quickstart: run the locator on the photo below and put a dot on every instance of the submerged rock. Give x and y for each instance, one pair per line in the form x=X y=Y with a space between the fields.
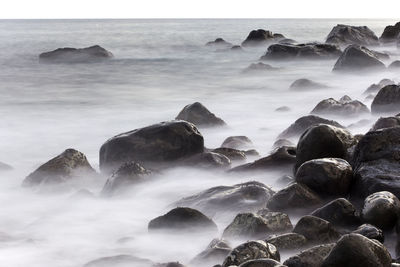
x=76 y=55
x=261 y=37
x=387 y=122
x=343 y=107
x=339 y=212
x=391 y=33
x=258 y=67
x=282 y=142
x=394 y=65
x=119 y=261
x=345 y=34
x=219 y=42
x=301 y=51
x=387 y=100
x=199 y=115
x=240 y=142
x=356 y=57
x=316 y=230
x=5 y=167
x=312 y=257
x=373 y=88
x=207 y=160
x=231 y=153
x=215 y=253
x=306 y=84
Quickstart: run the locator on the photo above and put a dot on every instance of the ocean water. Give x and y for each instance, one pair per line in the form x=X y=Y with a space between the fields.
x=159 y=67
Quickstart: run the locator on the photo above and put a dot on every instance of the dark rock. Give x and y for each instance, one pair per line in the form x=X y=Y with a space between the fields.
x=282 y=142
x=69 y=165
x=380 y=55
x=261 y=37
x=305 y=122
x=258 y=67
x=283 y=109
x=312 y=257
x=237 y=48
x=301 y=51
x=251 y=250
x=381 y=209
x=119 y=261
x=356 y=57
x=219 y=42
x=370 y=231
x=288 y=241
x=207 y=160
x=251 y=153
x=390 y=33
x=287 y=41
x=346 y=34
x=327 y=176
x=394 y=65
x=215 y=253
x=339 y=212
x=169 y=264
x=182 y=219
x=262 y=263
x=157 y=144
x=231 y=153
x=76 y=55
x=387 y=122
x=199 y=115
x=340 y=108
x=323 y=141
x=357 y=250
x=387 y=100
x=316 y=230
x=373 y=88
x=294 y=196
x=237 y=142
x=246 y=197
x=306 y=84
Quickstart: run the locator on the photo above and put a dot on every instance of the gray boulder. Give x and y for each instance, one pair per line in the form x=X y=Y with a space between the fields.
x=312 y=257
x=288 y=241
x=345 y=34
x=387 y=100
x=339 y=212
x=199 y=115
x=370 y=231
x=343 y=107
x=316 y=230
x=301 y=51
x=219 y=42
x=76 y=55
x=261 y=37
x=357 y=58
x=215 y=253
x=391 y=33
x=386 y=122
x=374 y=88
x=306 y=84
x=239 y=142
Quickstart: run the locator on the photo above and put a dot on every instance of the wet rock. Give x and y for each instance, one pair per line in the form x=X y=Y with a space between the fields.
x=346 y=34
x=237 y=142
x=119 y=261
x=207 y=160
x=370 y=231
x=301 y=51
x=294 y=196
x=339 y=212
x=387 y=122
x=387 y=100
x=215 y=253
x=381 y=209
x=251 y=250
x=76 y=55
x=5 y=167
x=128 y=174
x=394 y=65
x=356 y=58
x=219 y=42
x=261 y=37
x=182 y=219
x=262 y=263
x=347 y=107
x=357 y=250
x=323 y=141
x=231 y=153
x=306 y=84
x=199 y=115
x=245 y=197
x=282 y=142
x=69 y=165
x=312 y=257
x=282 y=109
x=288 y=241
x=155 y=145
x=258 y=67
x=316 y=230
x=373 y=88
x=250 y=225
x=391 y=33
x=327 y=176
x=305 y=122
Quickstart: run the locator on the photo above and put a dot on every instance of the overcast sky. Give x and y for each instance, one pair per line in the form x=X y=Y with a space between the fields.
x=200 y=9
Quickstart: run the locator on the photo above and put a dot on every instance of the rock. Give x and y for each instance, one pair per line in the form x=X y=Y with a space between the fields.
x=236 y=48
x=261 y=37
x=219 y=42
x=282 y=142
x=76 y=55
x=250 y=225
x=157 y=144
x=357 y=250
x=360 y=123
x=380 y=55
x=262 y=263
x=169 y=264
x=231 y=153
x=346 y=34
x=128 y=174
x=282 y=109
x=387 y=122
x=239 y=198
x=323 y=141
x=339 y=212
x=381 y=209
x=316 y=230
x=357 y=58
x=251 y=250
x=373 y=88
x=285 y=180
x=387 y=100
x=288 y=241
x=215 y=253
x=69 y=165
x=183 y=219
x=258 y=67
x=302 y=124
x=346 y=108
x=199 y=115
x=294 y=196
x=312 y=257
x=306 y=84
x=327 y=176
x=5 y=167
x=282 y=158
x=301 y=51
x=390 y=33
x=287 y=41
x=237 y=142
x=119 y=261
x=370 y=231
x=394 y=65
x=207 y=160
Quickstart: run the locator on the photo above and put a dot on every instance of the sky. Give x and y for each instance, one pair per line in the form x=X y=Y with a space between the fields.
x=11 y=9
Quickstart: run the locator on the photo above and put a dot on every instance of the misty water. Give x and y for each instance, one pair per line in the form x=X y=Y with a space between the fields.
x=159 y=67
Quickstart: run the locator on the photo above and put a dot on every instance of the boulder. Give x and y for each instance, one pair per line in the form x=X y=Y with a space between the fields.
x=312 y=257
x=381 y=209
x=323 y=141
x=387 y=100
x=394 y=65
x=207 y=160
x=357 y=250
x=343 y=107
x=183 y=219
x=346 y=34
x=231 y=153
x=219 y=42
x=238 y=142
x=169 y=264
x=282 y=109
x=316 y=230
x=327 y=177
x=302 y=124
x=119 y=261
x=391 y=33
x=387 y=122
x=339 y=212
x=294 y=196
x=301 y=51
x=262 y=263
x=215 y=253
x=158 y=144
x=199 y=115
x=251 y=250
x=306 y=84
x=357 y=58
x=239 y=198
x=76 y=55
x=373 y=88
x=282 y=142
x=261 y=37
x=370 y=231
x=258 y=68
x=288 y=241
x=69 y=165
